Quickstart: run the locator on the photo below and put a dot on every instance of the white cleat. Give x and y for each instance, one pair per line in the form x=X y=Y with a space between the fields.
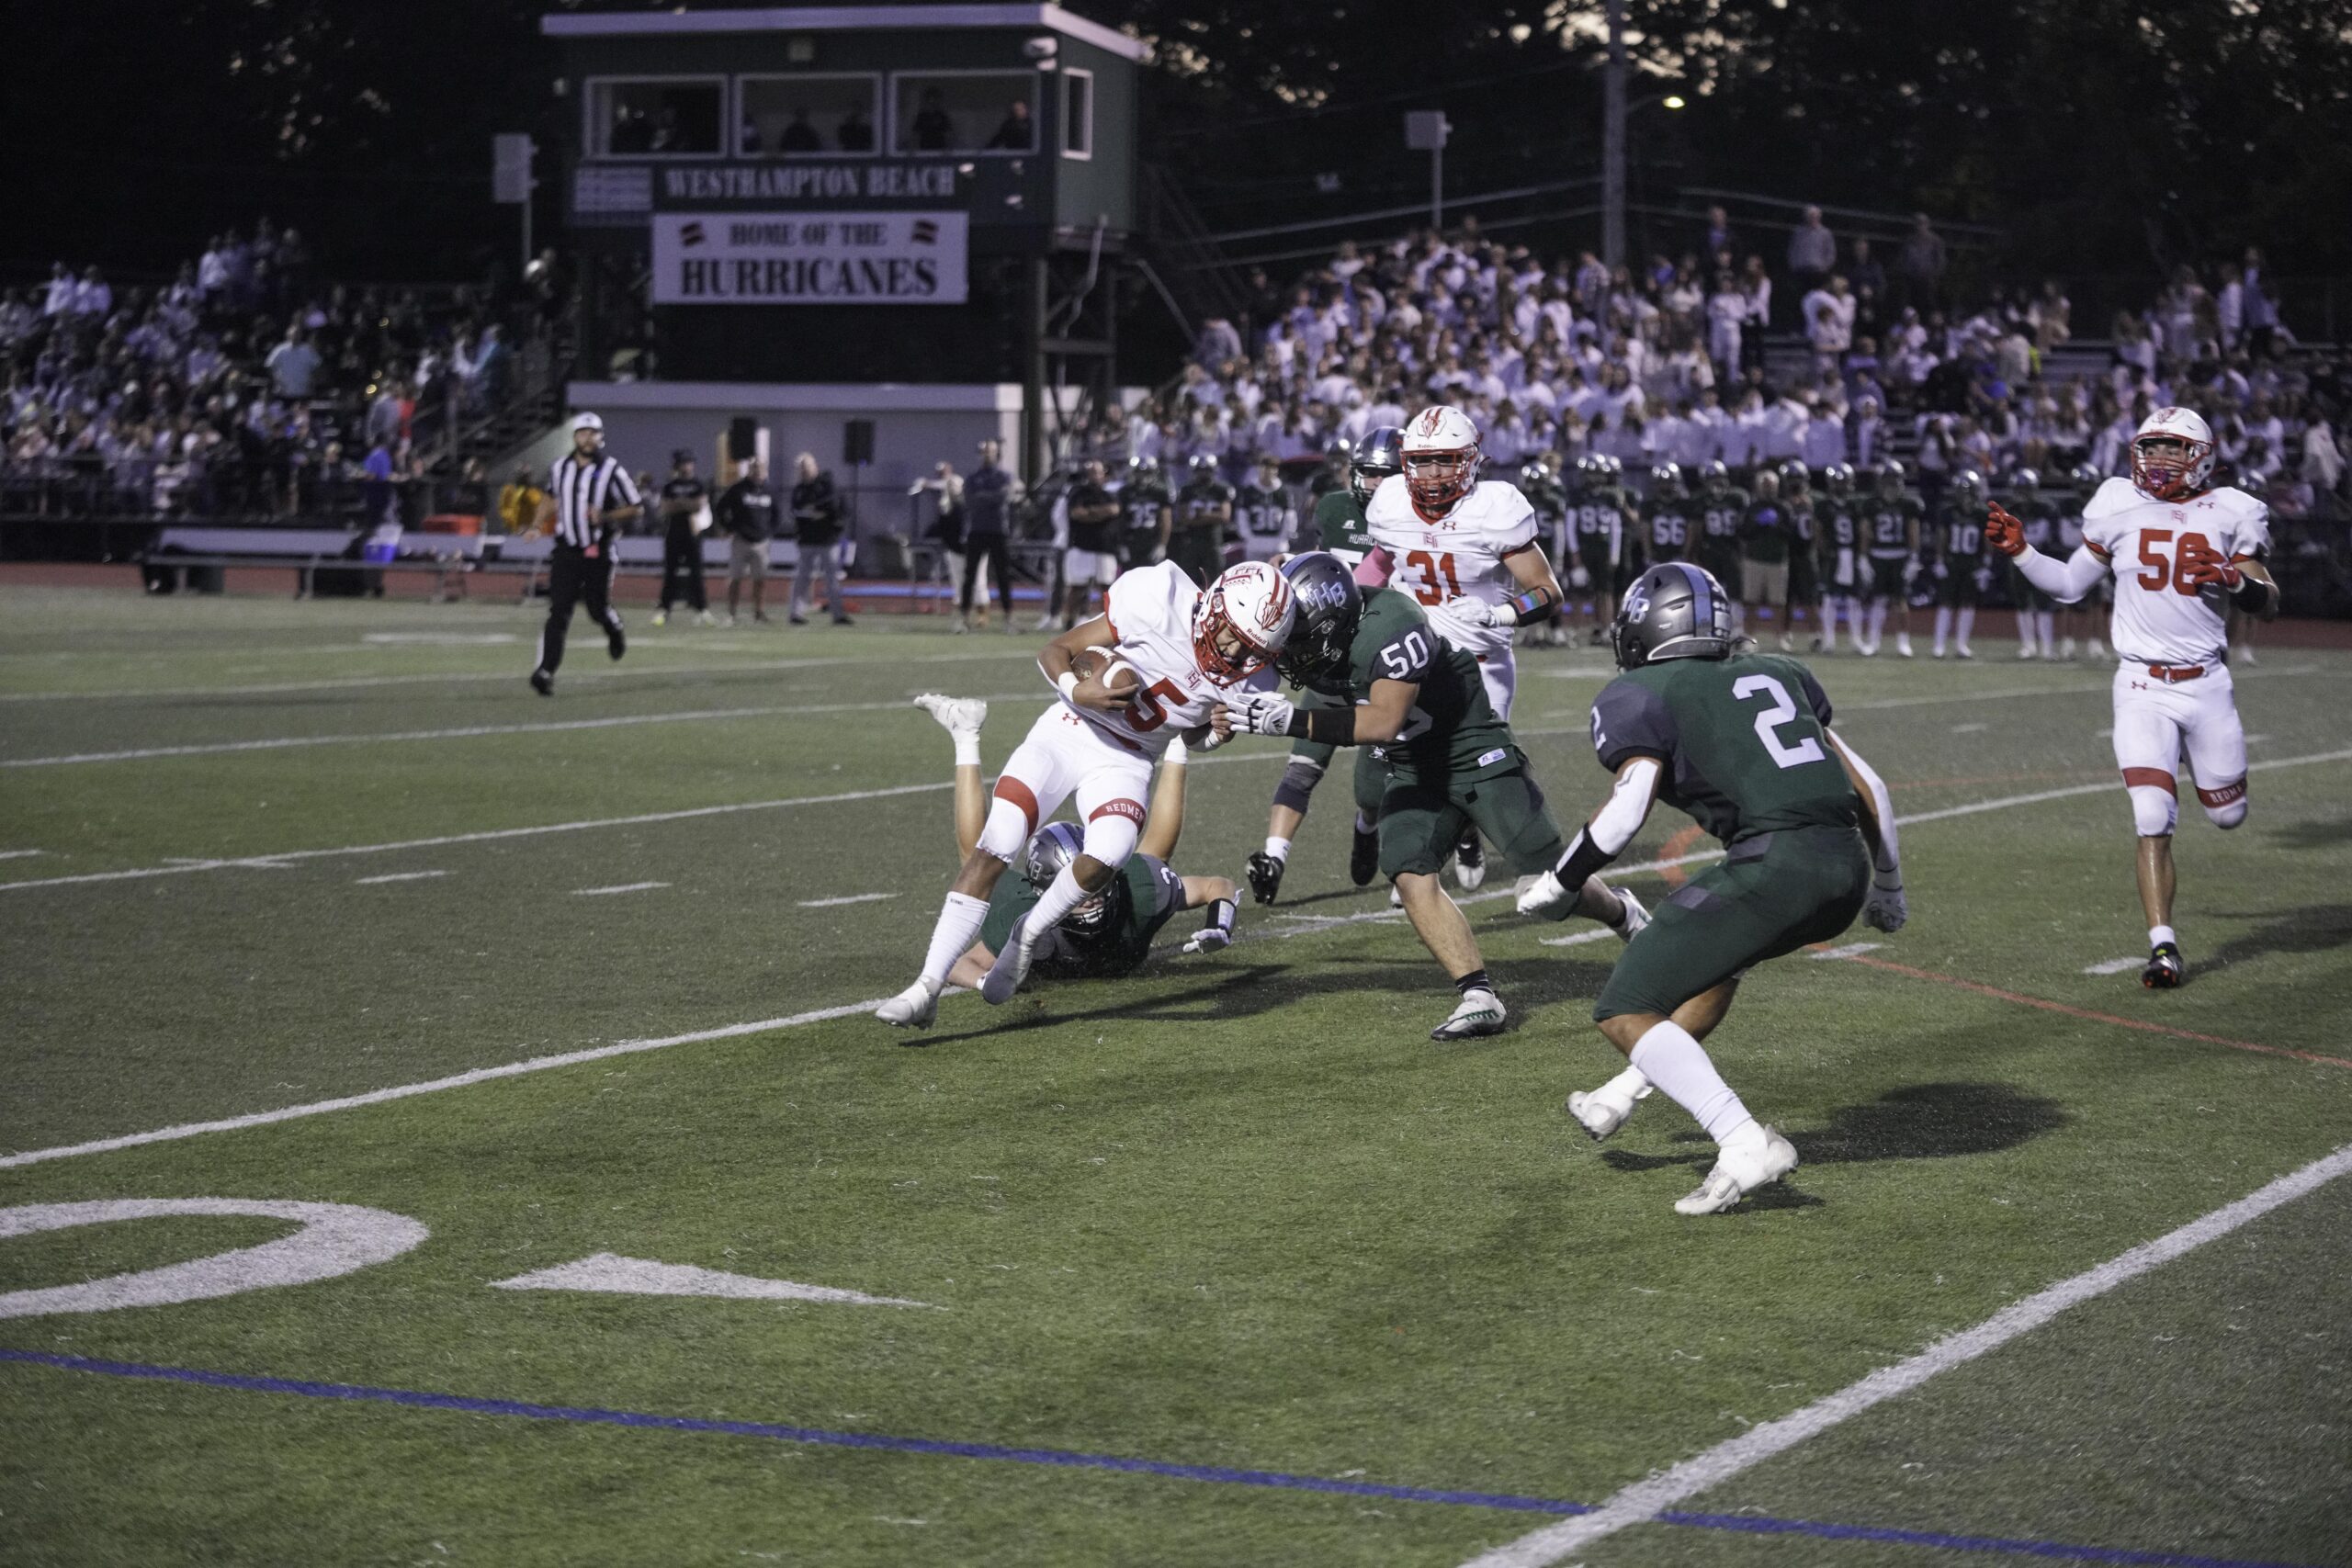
x=1480 y=1012
x=2099 y=649
x=958 y=716
x=1012 y=966
x=1636 y=916
x=2025 y=650
x=1966 y=651
x=1757 y=1157
x=1543 y=893
x=1395 y=900
x=1604 y=1109
x=913 y=1008
x=1903 y=644
x=2066 y=648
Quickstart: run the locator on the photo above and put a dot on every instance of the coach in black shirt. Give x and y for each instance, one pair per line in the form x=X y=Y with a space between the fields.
x=988 y=513
x=1090 y=562
x=589 y=496
x=747 y=511
x=683 y=496
x=817 y=524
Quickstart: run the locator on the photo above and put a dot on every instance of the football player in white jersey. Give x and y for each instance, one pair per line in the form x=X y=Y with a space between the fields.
x=1466 y=549
x=2179 y=551
x=1177 y=652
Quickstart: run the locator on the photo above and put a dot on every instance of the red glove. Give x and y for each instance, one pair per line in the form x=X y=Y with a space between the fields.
x=2202 y=566
x=2003 y=532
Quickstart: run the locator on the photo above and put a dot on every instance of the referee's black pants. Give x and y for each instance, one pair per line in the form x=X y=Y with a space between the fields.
x=988 y=547
x=682 y=569
x=574 y=575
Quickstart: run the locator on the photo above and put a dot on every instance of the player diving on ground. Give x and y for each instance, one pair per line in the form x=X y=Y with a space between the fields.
x=1175 y=651
x=1742 y=742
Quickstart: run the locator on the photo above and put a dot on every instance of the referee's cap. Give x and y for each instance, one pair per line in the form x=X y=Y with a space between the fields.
x=585 y=421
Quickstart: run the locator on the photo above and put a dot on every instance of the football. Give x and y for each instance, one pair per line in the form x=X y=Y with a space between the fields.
x=1103 y=667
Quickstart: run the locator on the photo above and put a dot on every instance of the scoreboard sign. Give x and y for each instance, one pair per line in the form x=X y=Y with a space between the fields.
x=810 y=258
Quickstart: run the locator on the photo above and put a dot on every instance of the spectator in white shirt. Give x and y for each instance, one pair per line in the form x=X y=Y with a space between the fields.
x=1812 y=250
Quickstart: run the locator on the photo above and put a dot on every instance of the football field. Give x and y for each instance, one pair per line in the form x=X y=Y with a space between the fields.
x=442 y=1125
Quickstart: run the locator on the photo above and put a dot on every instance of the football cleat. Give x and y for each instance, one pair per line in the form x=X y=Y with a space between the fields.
x=1479 y=1012
x=1755 y=1157
x=913 y=1008
x=661 y=618
x=2165 y=969
x=1469 y=861
x=1636 y=916
x=1604 y=1109
x=543 y=682
x=1012 y=966
x=1967 y=653
x=615 y=639
x=1364 y=857
x=958 y=716
x=1543 y=895
x=1903 y=644
x=1396 y=896
x=1265 y=874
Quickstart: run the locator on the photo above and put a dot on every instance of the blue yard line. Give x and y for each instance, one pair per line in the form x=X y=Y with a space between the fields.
x=1069 y=1460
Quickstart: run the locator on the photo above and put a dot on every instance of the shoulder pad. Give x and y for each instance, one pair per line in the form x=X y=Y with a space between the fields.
x=2112 y=496
x=1393 y=501
x=2232 y=503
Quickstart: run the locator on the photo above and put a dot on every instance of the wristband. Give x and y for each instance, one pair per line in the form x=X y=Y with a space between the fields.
x=1326 y=726
x=1220 y=919
x=1532 y=602
x=2252 y=596
x=1583 y=859
x=1067 y=683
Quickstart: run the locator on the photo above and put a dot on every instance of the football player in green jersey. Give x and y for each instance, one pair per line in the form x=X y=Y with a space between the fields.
x=1721 y=508
x=1204 y=511
x=1110 y=934
x=1601 y=525
x=1339 y=527
x=1891 y=528
x=1446 y=761
x=1742 y=742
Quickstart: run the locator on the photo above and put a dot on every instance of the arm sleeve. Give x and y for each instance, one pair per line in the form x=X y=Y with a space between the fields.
x=2067 y=580
x=1376 y=569
x=1628 y=806
x=1890 y=853
x=1630 y=720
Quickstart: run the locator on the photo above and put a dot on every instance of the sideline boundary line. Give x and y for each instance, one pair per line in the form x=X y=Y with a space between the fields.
x=1648 y=1499
x=1069 y=1458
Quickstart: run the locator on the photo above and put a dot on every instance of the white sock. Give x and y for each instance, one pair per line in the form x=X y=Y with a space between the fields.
x=1177 y=753
x=1967 y=623
x=2159 y=935
x=1279 y=849
x=1628 y=1085
x=967 y=747
x=1677 y=1064
x=1878 y=622
x=1060 y=899
x=1943 y=625
x=2047 y=622
x=960 y=919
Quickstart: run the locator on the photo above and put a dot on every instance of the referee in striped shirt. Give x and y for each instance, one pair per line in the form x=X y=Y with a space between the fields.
x=589 y=494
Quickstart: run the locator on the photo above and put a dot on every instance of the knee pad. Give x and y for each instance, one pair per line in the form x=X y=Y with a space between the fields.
x=1298 y=782
x=1111 y=831
x=2153 y=811
x=2224 y=808
x=1007 y=830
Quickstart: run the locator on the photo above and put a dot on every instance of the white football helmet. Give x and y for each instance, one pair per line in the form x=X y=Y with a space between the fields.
x=1441 y=459
x=2172 y=455
x=1242 y=621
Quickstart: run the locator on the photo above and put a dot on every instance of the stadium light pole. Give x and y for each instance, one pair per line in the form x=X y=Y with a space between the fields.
x=1613 y=140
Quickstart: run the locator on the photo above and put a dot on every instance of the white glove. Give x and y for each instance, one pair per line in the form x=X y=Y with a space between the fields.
x=1910 y=571
x=1208 y=939
x=1579 y=579
x=1884 y=910
x=1481 y=613
x=1543 y=895
x=1260 y=713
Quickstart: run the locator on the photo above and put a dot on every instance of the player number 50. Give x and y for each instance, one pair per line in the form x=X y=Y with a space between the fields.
x=1806 y=750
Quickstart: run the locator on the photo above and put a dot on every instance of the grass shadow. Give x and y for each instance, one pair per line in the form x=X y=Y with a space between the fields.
x=2315 y=929
x=1933 y=1121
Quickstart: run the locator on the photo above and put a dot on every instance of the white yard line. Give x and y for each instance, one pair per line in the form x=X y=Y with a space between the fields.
x=850 y=898
x=1646 y=1499
x=616 y=887
x=2114 y=965
x=468 y=732
x=18 y=855
x=398 y=876
x=581 y=677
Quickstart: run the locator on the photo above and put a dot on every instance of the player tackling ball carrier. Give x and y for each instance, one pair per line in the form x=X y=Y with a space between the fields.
x=1176 y=652
x=2179 y=547
x=1742 y=742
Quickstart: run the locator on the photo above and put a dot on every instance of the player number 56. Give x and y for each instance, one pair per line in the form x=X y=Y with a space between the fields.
x=1806 y=750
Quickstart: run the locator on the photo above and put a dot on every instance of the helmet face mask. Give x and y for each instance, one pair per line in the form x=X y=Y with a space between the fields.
x=2172 y=455
x=1674 y=610
x=1441 y=459
x=1329 y=606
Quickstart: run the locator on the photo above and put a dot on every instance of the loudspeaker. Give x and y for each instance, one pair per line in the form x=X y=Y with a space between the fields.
x=857 y=442
x=742 y=438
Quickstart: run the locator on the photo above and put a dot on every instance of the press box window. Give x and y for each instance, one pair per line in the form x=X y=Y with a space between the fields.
x=679 y=118
x=965 y=111
x=1077 y=114
x=814 y=116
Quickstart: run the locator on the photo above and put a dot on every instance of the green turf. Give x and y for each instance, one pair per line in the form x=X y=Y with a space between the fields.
x=1238 y=1211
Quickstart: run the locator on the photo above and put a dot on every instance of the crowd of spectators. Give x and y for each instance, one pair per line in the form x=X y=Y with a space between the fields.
x=1872 y=360
x=244 y=387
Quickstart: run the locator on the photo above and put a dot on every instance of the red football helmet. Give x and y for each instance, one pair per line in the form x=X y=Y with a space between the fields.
x=1440 y=459
x=1242 y=621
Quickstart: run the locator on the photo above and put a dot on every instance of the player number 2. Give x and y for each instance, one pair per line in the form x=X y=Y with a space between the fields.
x=1435 y=569
x=1806 y=750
